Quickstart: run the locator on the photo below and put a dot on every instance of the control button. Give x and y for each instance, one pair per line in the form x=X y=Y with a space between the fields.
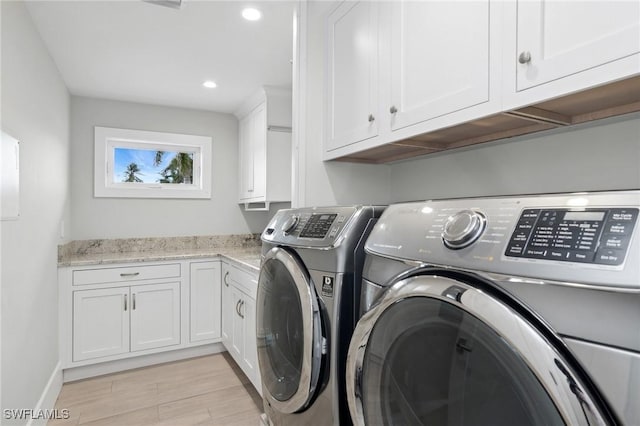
x=515 y=250
x=463 y=229
x=623 y=215
x=610 y=257
x=614 y=242
x=535 y=253
x=557 y=254
x=290 y=224
x=531 y=214
x=580 y=256
x=341 y=219
x=619 y=228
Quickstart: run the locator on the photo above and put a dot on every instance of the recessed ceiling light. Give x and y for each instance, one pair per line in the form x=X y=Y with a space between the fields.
x=251 y=14
x=210 y=84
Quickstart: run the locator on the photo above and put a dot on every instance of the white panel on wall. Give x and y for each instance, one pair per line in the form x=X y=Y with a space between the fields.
x=10 y=177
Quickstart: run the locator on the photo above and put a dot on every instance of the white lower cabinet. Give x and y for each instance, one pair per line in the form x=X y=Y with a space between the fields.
x=100 y=323
x=112 y=313
x=155 y=316
x=239 y=320
x=114 y=321
x=205 y=296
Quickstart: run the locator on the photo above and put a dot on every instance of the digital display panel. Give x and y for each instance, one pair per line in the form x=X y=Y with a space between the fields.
x=590 y=216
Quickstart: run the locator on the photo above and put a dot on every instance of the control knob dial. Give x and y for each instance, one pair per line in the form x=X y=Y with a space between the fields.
x=290 y=224
x=463 y=229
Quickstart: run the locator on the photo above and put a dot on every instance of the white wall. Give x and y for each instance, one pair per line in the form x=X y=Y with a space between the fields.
x=601 y=155
x=128 y=217
x=35 y=110
x=332 y=182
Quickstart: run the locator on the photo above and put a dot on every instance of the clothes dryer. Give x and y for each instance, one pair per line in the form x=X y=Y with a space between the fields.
x=307 y=307
x=512 y=310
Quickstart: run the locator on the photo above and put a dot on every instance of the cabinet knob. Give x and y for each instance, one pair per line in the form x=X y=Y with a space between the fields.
x=371 y=118
x=393 y=109
x=525 y=57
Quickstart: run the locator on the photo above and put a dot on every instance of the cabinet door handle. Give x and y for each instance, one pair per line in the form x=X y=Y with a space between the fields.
x=125 y=303
x=525 y=57
x=371 y=118
x=131 y=274
x=225 y=279
x=133 y=302
x=238 y=307
x=393 y=109
x=240 y=310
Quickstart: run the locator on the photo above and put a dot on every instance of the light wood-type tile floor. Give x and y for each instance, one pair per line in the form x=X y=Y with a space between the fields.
x=209 y=390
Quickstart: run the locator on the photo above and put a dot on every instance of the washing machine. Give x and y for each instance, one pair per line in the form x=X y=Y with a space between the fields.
x=307 y=307
x=520 y=310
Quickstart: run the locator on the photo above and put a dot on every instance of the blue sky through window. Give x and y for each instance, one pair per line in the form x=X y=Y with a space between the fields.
x=143 y=158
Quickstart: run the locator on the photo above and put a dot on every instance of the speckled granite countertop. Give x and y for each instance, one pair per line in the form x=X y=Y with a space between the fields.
x=243 y=249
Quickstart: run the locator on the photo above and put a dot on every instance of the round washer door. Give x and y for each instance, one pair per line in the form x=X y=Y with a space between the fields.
x=289 y=332
x=436 y=351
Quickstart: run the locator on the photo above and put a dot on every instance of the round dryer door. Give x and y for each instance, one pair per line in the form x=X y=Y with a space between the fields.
x=289 y=332
x=436 y=351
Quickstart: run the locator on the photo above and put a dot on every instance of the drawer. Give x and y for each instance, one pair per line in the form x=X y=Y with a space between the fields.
x=125 y=274
x=242 y=279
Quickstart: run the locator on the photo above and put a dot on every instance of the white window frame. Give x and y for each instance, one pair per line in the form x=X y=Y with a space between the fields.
x=107 y=139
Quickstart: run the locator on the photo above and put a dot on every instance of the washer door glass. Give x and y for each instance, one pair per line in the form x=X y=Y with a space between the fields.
x=428 y=362
x=281 y=350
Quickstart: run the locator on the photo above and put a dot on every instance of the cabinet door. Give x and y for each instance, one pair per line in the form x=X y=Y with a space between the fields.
x=227 y=308
x=155 y=316
x=205 y=303
x=236 y=348
x=250 y=356
x=246 y=158
x=565 y=37
x=352 y=86
x=259 y=148
x=100 y=322
x=439 y=59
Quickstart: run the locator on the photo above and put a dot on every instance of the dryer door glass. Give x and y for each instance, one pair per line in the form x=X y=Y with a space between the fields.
x=288 y=332
x=429 y=362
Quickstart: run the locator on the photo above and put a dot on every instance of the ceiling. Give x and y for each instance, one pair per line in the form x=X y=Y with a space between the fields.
x=142 y=52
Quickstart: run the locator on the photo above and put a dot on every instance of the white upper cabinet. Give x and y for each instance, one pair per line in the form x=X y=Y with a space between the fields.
x=399 y=69
x=408 y=78
x=558 y=38
x=265 y=149
x=352 y=73
x=439 y=59
x=558 y=47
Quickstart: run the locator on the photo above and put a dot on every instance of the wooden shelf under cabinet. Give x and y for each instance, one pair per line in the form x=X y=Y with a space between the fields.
x=613 y=99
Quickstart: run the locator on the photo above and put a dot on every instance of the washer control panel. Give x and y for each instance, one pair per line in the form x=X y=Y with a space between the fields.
x=312 y=226
x=592 y=235
x=318 y=225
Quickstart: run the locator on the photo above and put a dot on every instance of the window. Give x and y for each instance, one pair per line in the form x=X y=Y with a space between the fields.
x=142 y=164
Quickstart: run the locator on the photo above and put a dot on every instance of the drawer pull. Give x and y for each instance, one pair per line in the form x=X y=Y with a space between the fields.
x=131 y=274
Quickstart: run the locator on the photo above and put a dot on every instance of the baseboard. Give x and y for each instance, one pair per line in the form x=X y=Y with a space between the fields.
x=84 y=372
x=48 y=398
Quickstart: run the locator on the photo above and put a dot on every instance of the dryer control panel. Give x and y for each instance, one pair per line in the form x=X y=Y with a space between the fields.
x=599 y=236
x=587 y=238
